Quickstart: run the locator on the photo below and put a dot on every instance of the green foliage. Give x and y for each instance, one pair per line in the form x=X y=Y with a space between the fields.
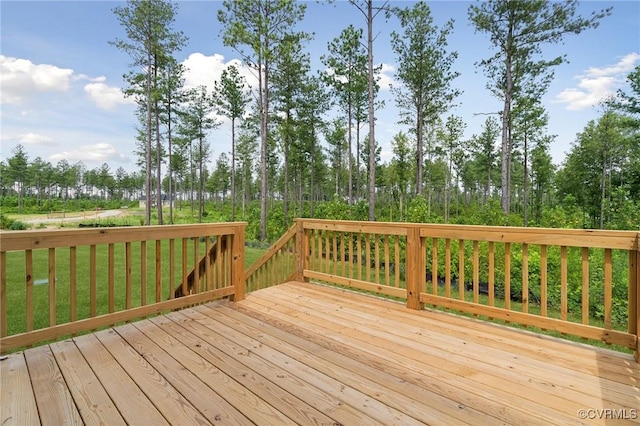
x=418 y=211
x=11 y=224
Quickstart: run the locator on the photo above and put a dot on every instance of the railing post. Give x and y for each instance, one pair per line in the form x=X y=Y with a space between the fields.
x=237 y=263
x=301 y=251
x=634 y=296
x=415 y=271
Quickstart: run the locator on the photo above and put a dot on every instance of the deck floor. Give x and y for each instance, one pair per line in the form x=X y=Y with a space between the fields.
x=307 y=354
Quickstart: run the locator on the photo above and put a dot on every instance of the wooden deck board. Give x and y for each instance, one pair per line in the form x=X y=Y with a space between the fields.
x=522 y=370
x=305 y=354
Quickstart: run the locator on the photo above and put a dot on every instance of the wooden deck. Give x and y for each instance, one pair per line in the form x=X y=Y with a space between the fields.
x=307 y=354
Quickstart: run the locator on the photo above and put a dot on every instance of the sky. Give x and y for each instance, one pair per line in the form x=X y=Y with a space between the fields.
x=61 y=81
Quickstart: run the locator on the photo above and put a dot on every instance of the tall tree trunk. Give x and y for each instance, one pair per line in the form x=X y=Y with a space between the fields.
x=264 y=112
x=372 y=127
x=170 y=165
x=147 y=156
x=350 y=137
x=233 y=169
x=419 y=150
x=525 y=199
x=506 y=127
x=158 y=166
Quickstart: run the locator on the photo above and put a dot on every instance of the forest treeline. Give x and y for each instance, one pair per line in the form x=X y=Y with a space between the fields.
x=289 y=159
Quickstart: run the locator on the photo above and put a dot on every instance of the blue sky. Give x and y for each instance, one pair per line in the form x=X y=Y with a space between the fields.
x=61 y=81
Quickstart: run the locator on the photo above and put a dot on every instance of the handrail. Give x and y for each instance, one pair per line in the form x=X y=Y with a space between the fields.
x=553 y=279
x=91 y=278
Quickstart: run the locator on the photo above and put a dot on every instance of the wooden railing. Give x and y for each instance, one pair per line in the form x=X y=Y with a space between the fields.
x=577 y=282
x=55 y=283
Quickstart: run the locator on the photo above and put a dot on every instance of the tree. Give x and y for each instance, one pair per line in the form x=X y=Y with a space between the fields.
x=450 y=139
x=150 y=41
x=367 y=9
x=291 y=67
x=196 y=121
x=254 y=28
x=529 y=123
x=518 y=30
x=313 y=103
x=629 y=103
x=172 y=94
x=595 y=165
x=424 y=72
x=247 y=148
x=219 y=183
x=401 y=166
x=18 y=172
x=231 y=98
x=336 y=136
x=348 y=79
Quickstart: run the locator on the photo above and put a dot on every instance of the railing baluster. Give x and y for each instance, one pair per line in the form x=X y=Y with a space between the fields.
x=585 y=285
x=359 y=254
x=93 y=276
x=352 y=254
x=563 y=283
x=143 y=274
x=476 y=271
x=608 y=289
x=447 y=267
x=3 y=294
x=112 y=278
x=327 y=257
x=367 y=255
x=386 y=260
x=184 y=253
x=377 y=258
x=461 y=263
x=196 y=266
x=73 y=296
x=492 y=274
x=28 y=257
x=543 y=280
x=158 y=280
x=434 y=265
x=335 y=253
x=172 y=267
x=525 y=277
x=128 y=278
x=507 y=275
x=396 y=253
x=52 y=287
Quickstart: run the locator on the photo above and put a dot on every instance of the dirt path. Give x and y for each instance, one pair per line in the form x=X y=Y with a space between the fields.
x=101 y=215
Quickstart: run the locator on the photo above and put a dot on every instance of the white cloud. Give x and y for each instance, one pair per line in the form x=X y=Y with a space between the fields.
x=386 y=76
x=597 y=83
x=27 y=139
x=34 y=139
x=21 y=78
x=106 y=97
x=98 y=153
x=204 y=70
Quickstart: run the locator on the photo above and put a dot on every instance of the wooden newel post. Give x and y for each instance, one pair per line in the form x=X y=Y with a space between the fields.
x=415 y=270
x=634 y=296
x=301 y=251
x=237 y=262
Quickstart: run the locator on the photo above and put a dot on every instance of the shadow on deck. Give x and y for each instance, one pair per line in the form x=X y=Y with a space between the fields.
x=302 y=353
